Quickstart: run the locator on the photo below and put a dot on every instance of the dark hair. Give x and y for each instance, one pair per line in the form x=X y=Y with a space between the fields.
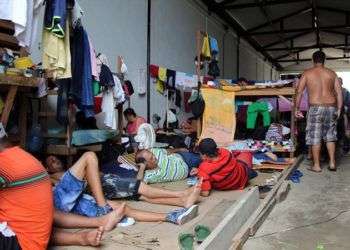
x=139 y=157
x=319 y=57
x=208 y=147
x=242 y=79
x=129 y=111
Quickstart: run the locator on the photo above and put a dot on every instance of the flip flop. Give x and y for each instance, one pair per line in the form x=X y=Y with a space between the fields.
x=186 y=241
x=332 y=169
x=201 y=232
x=313 y=170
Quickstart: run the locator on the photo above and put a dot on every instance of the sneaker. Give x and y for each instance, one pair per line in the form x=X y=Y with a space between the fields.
x=181 y=216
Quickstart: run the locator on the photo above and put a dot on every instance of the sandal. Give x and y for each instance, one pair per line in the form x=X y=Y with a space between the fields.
x=201 y=232
x=332 y=169
x=186 y=241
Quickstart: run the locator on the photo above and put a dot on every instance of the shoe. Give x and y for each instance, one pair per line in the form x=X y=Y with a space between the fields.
x=181 y=216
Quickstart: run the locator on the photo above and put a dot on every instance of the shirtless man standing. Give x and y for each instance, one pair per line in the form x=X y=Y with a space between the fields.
x=325 y=104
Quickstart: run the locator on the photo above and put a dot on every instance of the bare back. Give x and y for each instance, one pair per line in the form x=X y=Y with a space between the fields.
x=320 y=84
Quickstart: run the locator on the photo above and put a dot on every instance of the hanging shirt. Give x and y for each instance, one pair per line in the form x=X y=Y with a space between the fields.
x=170 y=167
x=26 y=198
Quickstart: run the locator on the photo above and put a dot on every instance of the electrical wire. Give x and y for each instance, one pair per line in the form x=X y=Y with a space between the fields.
x=303 y=226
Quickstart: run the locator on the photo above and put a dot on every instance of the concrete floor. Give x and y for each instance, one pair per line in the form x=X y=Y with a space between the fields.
x=164 y=235
x=316 y=211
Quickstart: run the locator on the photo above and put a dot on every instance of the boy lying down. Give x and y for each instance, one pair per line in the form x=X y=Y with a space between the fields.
x=70 y=197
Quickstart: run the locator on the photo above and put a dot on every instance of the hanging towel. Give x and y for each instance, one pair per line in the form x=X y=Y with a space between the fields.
x=154 y=70
x=206 y=48
x=141 y=86
x=108 y=109
x=162 y=74
x=119 y=93
x=170 y=80
x=93 y=61
x=160 y=86
x=214 y=48
x=56 y=55
x=77 y=14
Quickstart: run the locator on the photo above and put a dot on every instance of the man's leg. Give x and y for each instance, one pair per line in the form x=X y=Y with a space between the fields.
x=316 y=157
x=87 y=168
x=331 y=153
x=181 y=216
x=108 y=221
x=185 y=198
x=88 y=238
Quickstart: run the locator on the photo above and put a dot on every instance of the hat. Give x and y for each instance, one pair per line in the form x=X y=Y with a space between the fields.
x=207 y=146
x=2 y=131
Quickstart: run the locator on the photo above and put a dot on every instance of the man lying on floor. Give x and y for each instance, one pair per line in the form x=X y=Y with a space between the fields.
x=221 y=169
x=165 y=166
x=69 y=193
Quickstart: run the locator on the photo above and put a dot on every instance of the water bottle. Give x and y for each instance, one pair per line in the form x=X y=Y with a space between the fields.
x=320 y=247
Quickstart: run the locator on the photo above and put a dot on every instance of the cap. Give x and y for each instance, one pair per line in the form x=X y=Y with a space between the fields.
x=207 y=146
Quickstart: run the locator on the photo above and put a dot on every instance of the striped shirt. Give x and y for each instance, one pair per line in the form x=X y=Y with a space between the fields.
x=170 y=167
x=25 y=198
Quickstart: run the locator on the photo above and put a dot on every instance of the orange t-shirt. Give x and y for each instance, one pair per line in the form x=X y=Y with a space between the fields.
x=27 y=207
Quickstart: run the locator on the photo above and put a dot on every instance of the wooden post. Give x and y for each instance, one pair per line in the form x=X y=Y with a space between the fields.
x=293 y=125
x=120 y=107
x=198 y=71
x=11 y=95
x=23 y=120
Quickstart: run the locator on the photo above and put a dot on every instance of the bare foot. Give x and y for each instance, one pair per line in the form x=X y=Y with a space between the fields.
x=315 y=169
x=92 y=238
x=111 y=220
x=193 y=197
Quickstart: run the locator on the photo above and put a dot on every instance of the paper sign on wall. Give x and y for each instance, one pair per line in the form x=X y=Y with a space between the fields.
x=219 y=118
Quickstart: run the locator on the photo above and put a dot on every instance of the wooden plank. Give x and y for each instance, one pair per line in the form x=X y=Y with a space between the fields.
x=19 y=81
x=11 y=95
x=236 y=216
x=23 y=120
x=7 y=27
x=60 y=150
x=267 y=92
x=253 y=223
x=8 y=41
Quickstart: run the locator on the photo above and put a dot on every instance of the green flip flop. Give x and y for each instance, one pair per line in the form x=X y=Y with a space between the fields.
x=186 y=241
x=201 y=232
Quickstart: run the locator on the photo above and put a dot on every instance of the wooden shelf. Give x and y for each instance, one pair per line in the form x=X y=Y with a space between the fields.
x=19 y=81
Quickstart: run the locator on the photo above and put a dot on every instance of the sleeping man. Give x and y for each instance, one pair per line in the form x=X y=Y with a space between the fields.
x=70 y=196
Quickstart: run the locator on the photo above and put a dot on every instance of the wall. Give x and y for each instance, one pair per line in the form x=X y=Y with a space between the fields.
x=119 y=27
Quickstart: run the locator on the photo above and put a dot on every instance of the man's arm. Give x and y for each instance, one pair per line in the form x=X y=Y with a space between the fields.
x=141 y=172
x=339 y=95
x=300 y=89
x=176 y=150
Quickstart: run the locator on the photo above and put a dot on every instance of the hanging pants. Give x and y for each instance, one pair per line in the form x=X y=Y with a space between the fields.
x=252 y=113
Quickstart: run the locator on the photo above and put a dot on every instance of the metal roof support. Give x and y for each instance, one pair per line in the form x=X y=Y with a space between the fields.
x=254 y=4
x=309 y=59
x=217 y=9
x=272 y=32
x=315 y=46
x=277 y=20
x=287 y=39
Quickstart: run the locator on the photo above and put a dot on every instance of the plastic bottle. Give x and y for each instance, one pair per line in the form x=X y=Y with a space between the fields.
x=320 y=247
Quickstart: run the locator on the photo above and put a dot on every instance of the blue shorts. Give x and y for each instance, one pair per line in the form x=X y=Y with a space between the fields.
x=69 y=197
x=192 y=160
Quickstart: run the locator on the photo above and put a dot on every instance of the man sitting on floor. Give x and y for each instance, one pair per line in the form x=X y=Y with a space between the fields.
x=221 y=169
x=165 y=166
x=26 y=208
x=69 y=193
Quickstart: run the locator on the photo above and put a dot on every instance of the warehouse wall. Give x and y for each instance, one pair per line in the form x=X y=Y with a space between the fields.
x=119 y=27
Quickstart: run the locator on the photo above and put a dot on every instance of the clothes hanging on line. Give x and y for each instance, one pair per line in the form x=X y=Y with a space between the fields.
x=82 y=72
x=252 y=113
x=56 y=56
x=55 y=17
